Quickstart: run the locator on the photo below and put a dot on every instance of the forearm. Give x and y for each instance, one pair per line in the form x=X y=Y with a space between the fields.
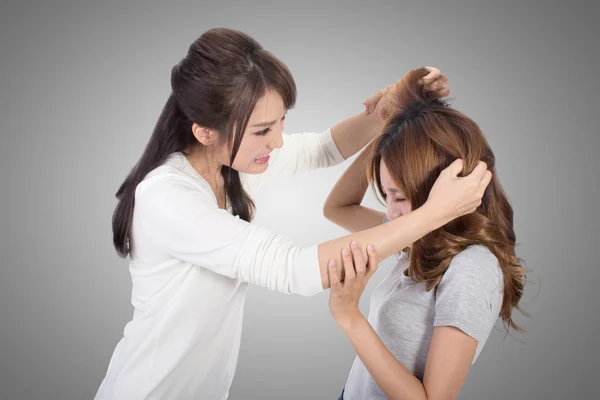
x=387 y=238
x=391 y=376
x=353 y=133
x=350 y=189
x=342 y=206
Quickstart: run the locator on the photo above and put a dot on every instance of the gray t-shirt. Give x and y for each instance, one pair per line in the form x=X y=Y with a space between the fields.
x=404 y=314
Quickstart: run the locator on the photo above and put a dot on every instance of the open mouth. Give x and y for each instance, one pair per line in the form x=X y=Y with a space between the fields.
x=262 y=160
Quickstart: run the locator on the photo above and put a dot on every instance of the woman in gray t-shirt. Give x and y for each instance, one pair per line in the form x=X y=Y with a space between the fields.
x=431 y=315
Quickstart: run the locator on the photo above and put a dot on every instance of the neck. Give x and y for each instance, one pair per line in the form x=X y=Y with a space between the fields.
x=208 y=166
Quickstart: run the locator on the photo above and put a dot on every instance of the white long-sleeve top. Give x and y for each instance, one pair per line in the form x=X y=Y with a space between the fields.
x=190 y=268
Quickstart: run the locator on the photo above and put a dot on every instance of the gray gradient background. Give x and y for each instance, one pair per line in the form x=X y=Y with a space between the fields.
x=82 y=85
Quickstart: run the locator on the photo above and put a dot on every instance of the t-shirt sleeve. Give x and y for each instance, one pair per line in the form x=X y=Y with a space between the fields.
x=469 y=293
x=183 y=220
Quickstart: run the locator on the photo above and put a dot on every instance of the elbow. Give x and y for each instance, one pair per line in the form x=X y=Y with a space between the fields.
x=329 y=210
x=330 y=206
x=332 y=213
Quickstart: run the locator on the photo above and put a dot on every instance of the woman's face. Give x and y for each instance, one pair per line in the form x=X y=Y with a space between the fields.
x=263 y=134
x=397 y=204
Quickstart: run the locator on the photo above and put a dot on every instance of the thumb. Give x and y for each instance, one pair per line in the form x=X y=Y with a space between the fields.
x=455 y=168
x=374 y=98
x=433 y=74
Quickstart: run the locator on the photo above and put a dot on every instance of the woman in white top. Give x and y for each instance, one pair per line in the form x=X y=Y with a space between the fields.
x=184 y=217
x=432 y=314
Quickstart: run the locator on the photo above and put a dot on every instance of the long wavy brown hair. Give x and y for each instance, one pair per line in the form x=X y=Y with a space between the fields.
x=421 y=138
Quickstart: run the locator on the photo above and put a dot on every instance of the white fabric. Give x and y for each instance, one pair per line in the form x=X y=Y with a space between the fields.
x=190 y=269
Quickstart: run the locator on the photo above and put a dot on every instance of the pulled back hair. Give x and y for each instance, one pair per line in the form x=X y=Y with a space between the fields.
x=216 y=85
x=420 y=139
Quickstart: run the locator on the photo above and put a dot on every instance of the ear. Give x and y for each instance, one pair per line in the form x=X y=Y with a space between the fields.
x=206 y=136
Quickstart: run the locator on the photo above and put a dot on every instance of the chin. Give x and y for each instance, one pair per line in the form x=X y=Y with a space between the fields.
x=255 y=169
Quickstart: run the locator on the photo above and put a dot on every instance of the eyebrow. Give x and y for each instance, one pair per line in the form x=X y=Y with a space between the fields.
x=260 y=125
x=268 y=123
x=393 y=190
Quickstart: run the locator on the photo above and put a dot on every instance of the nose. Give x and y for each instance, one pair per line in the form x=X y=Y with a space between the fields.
x=393 y=213
x=276 y=141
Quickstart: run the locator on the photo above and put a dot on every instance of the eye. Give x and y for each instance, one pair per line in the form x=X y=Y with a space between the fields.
x=263 y=132
x=399 y=200
x=267 y=130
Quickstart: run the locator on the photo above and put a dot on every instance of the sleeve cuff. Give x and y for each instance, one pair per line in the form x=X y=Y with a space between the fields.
x=470 y=328
x=307 y=272
x=331 y=149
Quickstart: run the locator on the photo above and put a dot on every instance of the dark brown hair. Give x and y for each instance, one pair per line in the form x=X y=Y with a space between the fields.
x=216 y=85
x=421 y=138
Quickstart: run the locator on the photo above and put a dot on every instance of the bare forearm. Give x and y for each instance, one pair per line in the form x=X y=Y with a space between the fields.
x=342 y=206
x=353 y=133
x=391 y=376
x=350 y=189
x=355 y=218
x=387 y=238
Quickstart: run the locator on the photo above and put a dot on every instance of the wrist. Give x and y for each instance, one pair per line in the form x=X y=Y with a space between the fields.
x=350 y=320
x=433 y=217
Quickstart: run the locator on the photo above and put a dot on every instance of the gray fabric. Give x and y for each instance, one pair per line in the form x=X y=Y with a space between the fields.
x=404 y=314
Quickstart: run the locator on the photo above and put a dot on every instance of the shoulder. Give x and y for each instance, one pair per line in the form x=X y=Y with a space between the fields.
x=470 y=292
x=169 y=182
x=475 y=264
